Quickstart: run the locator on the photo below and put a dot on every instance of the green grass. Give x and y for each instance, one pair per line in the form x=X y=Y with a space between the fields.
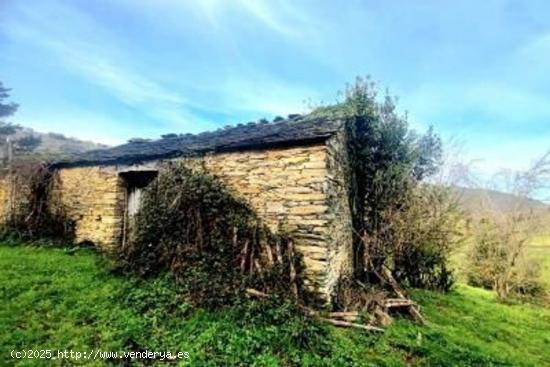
x=539 y=248
x=56 y=299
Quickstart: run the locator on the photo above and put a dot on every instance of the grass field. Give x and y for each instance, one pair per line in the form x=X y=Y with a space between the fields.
x=57 y=299
x=539 y=248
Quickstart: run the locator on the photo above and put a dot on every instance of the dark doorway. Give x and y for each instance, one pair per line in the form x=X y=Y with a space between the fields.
x=135 y=182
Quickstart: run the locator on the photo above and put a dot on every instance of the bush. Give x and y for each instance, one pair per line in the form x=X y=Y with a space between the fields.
x=189 y=224
x=497 y=261
x=426 y=232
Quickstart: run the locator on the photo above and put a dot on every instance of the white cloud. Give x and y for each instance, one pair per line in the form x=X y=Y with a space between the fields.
x=283 y=17
x=269 y=13
x=89 y=51
x=264 y=95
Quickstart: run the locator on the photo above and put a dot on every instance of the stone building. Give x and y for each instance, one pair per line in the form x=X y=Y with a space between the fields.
x=293 y=171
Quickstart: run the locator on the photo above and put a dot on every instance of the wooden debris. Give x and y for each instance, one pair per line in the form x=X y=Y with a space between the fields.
x=235 y=242
x=382 y=317
x=413 y=310
x=266 y=249
x=244 y=256
x=398 y=302
x=255 y=293
x=341 y=323
x=293 y=284
x=278 y=250
x=351 y=316
x=257 y=265
x=344 y=314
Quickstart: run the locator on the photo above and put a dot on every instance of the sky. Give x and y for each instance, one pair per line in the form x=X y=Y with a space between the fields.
x=110 y=70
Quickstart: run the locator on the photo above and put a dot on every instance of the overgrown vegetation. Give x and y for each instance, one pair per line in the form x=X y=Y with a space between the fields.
x=189 y=224
x=497 y=260
x=402 y=224
x=35 y=212
x=60 y=299
x=426 y=233
x=212 y=242
x=498 y=254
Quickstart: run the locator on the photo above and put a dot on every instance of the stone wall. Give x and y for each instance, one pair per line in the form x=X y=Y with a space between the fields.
x=300 y=189
x=4 y=197
x=287 y=188
x=340 y=229
x=94 y=198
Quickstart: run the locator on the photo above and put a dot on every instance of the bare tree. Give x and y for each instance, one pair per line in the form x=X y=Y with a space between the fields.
x=501 y=236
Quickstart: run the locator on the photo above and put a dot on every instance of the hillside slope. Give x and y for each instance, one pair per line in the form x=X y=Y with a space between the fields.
x=475 y=201
x=60 y=299
x=51 y=145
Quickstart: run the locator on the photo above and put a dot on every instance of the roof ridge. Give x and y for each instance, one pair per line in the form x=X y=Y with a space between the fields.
x=287 y=132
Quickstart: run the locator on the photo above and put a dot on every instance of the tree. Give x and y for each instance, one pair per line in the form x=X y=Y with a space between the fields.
x=6 y=110
x=389 y=162
x=497 y=258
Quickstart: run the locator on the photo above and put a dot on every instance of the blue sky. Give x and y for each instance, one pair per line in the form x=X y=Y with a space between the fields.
x=108 y=70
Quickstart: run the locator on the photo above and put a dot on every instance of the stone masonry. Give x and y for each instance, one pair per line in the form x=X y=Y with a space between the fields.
x=293 y=174
x=290 y=189
x=94 y=198
x=297 y=189
x=4 y=193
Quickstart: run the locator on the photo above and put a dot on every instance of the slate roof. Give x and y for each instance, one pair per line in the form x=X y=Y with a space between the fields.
x=290 y=132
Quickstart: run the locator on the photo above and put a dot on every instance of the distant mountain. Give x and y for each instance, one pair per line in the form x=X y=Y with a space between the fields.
x=476 y=201
x=48 y=145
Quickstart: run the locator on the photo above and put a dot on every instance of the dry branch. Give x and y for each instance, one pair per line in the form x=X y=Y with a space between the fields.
x=341 y=323
x=235 y=242
x=278 y=250
x=255 y=293
x=293 y=285
x=244 y=256
x=398 y=302
x=351 y=316
x=401 y=294
x=383 y=318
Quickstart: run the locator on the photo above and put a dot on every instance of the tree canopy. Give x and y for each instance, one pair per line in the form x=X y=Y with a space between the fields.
x=389 y=162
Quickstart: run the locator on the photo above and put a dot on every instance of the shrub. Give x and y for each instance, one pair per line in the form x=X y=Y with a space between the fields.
x=498 y=255
x=190 y=225
x=497 y=260
x=426 y=232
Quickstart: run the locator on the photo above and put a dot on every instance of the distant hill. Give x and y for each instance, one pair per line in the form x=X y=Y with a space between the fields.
x=475 y=201
x=49 y=145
